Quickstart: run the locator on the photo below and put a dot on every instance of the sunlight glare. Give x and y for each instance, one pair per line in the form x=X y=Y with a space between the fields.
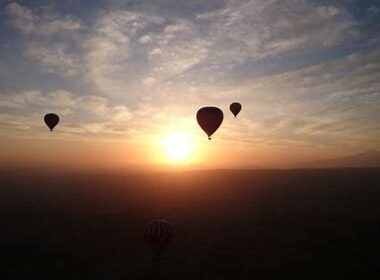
x=178 y=147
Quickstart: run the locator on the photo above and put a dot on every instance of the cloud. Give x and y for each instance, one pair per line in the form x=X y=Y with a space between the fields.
x=80 y=113
x=123 y=46
x=30 y=99
x=145 y=39
x=335 y=100
x=54 y=58
x=120 y=113
x=50 y=39
x=94 y=104
x=23 y=18
x=43 y=24
x=108 y=48
x=257 y=29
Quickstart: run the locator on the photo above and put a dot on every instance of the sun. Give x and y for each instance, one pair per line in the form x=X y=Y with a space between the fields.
x=178 y=147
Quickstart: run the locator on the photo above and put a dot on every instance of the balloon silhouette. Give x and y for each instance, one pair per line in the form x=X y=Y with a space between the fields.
x=209 y=119
x=235 y=108
x=158 y=234
x=51 y=120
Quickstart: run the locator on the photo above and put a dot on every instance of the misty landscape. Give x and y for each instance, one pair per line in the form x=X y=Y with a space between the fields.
x=229 y=224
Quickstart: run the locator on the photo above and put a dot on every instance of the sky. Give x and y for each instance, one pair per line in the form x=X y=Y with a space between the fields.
x=127 y=78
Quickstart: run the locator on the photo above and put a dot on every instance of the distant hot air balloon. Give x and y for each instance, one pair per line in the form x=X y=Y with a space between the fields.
x=51 y=120
x=235 y=108
x=209 y=119
x=158 y=234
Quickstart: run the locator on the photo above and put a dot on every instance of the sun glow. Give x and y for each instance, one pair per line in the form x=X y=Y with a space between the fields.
x=178 y=147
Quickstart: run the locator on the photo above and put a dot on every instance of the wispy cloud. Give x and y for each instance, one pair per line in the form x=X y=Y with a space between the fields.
x=80 y=113
x=49 y=39
x=43 y=24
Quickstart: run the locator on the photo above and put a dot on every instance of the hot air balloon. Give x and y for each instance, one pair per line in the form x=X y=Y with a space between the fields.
x=51 y=120
x=235 y=108
x=158 y=234
x=209 y=119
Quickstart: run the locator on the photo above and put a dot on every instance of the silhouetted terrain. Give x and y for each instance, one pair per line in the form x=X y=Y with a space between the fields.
x=251 y=224
x=369 y=158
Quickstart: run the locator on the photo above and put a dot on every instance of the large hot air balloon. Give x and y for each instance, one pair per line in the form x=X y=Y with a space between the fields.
x=209 y=119
x=158 y=234
x=235 y=108
x=51 y=120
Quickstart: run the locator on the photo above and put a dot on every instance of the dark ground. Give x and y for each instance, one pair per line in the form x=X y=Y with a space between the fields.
x=244 y=224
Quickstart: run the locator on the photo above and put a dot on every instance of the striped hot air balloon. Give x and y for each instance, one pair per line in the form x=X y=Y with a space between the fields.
x=158 y=234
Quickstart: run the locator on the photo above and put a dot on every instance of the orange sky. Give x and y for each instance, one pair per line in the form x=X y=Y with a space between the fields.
x=123 y=154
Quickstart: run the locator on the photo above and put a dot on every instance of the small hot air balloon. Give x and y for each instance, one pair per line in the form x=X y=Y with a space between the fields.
x=51 y=120
x=158 y=234
x=209 y=119
x=235 y=108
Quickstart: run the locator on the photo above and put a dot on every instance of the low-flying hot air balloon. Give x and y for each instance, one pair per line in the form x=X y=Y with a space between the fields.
x=235 y=108
x=51 y=120
x=209 y=119
x=158 y=234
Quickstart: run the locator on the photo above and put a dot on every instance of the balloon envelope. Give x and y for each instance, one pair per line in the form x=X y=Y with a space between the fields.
x=235 y=108
x=209 y=119
x=158 y=234
x=51 y=120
